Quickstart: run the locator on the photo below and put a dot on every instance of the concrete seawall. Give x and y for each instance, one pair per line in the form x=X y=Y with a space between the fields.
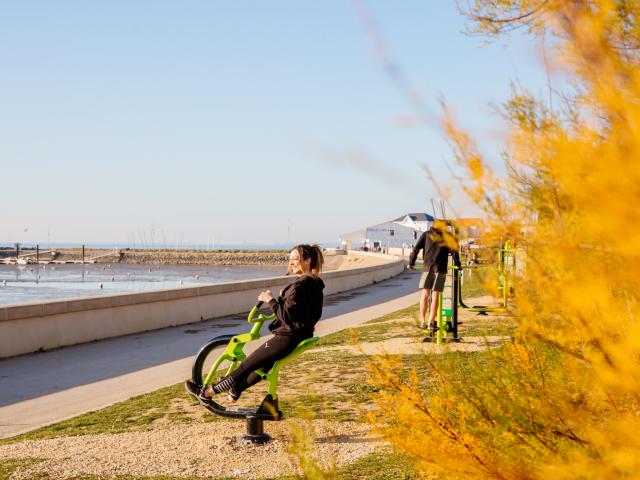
x=37 y=326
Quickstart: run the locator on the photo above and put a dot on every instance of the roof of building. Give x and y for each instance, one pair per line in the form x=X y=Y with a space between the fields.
x=416 y=217
x=387 y=225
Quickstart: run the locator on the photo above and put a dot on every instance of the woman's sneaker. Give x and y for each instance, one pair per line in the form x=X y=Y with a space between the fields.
x=206 y=393
x=192 y=388
x=233 y=395
x=197 y=391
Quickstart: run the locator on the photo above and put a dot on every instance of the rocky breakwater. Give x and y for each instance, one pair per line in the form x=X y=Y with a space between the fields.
x=190 y=257
x=230 y=257
x=173 y=257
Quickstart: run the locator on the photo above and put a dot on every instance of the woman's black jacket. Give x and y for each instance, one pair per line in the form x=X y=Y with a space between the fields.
x=298 y=308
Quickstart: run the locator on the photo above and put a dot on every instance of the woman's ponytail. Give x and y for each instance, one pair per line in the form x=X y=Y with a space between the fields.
x=314 y=252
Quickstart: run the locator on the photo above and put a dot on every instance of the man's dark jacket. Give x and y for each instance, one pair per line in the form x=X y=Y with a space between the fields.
x=435 y=251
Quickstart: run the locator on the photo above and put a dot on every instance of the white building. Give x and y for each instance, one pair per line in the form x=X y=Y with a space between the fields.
x=402 y=232
x=418 y=221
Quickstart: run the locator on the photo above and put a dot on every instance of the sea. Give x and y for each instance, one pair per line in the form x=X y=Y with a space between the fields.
x=28 y=283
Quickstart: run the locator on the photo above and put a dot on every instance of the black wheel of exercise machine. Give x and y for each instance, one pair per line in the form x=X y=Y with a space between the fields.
x=198 y=369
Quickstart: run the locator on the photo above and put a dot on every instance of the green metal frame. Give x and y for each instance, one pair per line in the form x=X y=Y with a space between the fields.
x=443 y=319
x=504 y=281
x=234 y=353
x=272 y=376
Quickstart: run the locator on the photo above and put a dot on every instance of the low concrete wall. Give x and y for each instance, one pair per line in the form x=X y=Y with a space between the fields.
x=401 y=251
x=37 y=326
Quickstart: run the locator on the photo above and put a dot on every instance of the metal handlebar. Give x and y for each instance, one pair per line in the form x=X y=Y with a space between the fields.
x=261 y=318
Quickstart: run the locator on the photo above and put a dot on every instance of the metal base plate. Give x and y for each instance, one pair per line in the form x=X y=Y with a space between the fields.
x=255 y=439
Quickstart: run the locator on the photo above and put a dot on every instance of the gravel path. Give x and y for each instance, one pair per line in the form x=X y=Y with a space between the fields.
x=203 y=450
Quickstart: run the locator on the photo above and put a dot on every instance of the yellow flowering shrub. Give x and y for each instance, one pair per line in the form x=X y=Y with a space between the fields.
x=562 y=400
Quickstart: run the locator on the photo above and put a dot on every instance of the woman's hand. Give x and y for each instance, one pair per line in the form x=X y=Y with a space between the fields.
x=265 y=296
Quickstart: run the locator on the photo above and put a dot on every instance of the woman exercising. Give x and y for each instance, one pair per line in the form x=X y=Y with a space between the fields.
x=297 y=309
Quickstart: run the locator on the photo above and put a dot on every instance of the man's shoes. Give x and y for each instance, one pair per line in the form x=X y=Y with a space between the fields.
x=433 y=330
x=432 y=333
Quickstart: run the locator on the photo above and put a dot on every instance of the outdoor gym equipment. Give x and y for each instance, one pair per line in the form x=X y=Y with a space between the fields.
x=451 y=298
x=506 y=265
x=447 y=312
x=203 y=375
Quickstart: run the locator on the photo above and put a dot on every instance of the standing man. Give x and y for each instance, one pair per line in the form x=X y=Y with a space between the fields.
x=435 y=257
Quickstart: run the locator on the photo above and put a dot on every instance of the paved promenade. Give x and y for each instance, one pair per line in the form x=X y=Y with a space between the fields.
x=44 y=388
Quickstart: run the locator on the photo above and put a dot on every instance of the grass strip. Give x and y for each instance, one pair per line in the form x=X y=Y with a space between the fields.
x=11 y=465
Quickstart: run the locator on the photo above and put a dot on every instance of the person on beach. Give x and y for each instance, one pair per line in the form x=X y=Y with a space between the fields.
x=298 y=308
x=435 y=257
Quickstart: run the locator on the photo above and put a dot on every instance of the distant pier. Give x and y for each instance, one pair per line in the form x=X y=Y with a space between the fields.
x=33 y=257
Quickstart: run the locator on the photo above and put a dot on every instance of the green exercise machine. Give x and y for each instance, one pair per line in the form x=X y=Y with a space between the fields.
x=450 y=301
x=506 y=266
x=447 y=312
x=208 y=369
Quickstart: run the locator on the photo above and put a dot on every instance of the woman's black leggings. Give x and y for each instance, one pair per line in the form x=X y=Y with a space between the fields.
x=274 y=349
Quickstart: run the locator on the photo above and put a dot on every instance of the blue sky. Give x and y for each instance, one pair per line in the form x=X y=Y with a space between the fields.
x=233 y=122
